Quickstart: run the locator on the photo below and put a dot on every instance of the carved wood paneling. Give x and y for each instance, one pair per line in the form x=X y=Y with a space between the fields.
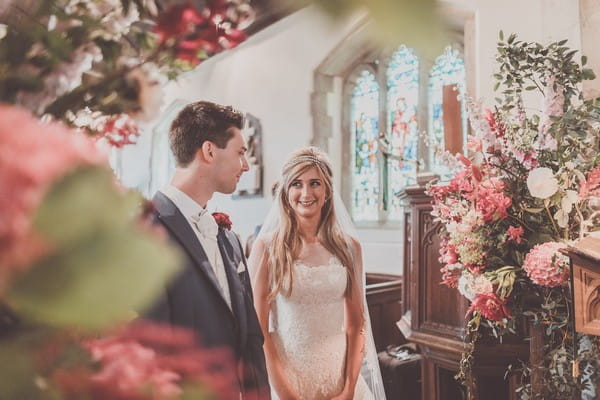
x=586 y=285
x=444 y=310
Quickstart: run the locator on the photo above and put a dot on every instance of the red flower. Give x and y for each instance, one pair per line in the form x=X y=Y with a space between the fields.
x=490 y=306
x=222 y=220
x=177 y=21
x=120 y=130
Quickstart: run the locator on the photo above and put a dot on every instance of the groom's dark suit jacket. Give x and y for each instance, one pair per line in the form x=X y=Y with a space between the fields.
x=194 y=300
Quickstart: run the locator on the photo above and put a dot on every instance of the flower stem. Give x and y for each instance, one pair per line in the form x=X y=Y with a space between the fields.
x=556 y=230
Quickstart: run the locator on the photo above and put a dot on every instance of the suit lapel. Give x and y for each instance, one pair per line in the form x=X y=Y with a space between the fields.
x=236 y=291
x=178 y=225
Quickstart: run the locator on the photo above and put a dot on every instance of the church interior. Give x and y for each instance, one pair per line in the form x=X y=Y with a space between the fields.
x=389 y=89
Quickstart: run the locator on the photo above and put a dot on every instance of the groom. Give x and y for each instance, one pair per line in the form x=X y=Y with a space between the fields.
x=212 y=294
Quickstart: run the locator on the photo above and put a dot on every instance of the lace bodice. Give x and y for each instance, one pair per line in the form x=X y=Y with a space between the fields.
x=316 y=291
x=308 y=330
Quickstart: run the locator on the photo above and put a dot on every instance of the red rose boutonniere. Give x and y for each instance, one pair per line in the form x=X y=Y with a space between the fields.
x=222 y=220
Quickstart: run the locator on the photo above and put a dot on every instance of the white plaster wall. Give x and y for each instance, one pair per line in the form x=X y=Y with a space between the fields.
x=542 y=21
x=270 y=76
x=590 y=32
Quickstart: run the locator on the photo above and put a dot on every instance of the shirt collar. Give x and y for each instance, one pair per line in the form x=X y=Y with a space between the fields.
x=184 y=203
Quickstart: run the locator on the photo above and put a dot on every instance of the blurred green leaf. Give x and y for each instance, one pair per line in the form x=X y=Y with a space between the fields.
x=103 y=266
x=18 y=379
x=414 y=23
x=83 y=203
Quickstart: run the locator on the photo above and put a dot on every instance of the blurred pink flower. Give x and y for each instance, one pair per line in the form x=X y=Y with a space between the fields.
x=546 y=266
x=129 y=367
x=149 y=361
x=32 y=157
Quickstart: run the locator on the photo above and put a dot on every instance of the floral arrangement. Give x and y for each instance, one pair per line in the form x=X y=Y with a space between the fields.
x=529 y=188
x=99 y=65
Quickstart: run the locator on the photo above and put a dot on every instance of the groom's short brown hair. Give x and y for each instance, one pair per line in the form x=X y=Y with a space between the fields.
x=199 y=122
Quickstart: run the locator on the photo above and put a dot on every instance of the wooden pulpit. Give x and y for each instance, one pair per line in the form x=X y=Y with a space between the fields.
x=585 y=261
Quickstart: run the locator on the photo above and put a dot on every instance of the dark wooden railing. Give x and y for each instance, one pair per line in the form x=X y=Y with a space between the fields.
x=384 y=299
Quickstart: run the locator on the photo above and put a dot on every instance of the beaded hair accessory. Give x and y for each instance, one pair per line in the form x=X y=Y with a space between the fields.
x=310 y=159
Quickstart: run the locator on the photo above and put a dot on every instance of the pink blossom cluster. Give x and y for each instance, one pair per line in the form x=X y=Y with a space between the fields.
x=32 y=157
x=591 y=186
x=546 y=266
x=490 y=200
x=149 y=361
x=515 y=233
x=472 y=199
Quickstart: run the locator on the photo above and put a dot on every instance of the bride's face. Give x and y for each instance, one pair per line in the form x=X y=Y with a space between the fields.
x=307 y=194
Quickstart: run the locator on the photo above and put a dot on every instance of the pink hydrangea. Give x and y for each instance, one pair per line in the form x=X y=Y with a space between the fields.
x=32 y=157
x=546 y=266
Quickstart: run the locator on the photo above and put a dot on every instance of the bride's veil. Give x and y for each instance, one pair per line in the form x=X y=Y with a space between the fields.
x=370 y=367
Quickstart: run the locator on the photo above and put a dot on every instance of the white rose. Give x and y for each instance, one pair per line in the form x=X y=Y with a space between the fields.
x=542 y=183
x=465 y=286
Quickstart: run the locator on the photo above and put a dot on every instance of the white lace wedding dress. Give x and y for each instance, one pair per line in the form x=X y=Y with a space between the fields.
x=308 y=330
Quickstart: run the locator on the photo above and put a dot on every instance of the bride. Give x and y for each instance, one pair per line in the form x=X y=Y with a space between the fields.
x=309 y=295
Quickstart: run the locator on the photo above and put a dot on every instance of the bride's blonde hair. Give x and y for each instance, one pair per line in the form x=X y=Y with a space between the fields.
x=285 y=246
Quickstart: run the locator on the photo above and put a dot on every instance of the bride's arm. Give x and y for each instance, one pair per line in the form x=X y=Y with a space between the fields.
x=355 y=327
x=260 y=284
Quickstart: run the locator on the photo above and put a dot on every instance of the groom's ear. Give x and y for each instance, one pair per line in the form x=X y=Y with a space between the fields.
x=207 y=151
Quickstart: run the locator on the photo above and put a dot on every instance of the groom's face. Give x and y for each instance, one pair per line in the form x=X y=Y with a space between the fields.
x=230 y=163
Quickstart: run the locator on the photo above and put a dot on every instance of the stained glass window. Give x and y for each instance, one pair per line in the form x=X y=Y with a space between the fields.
x=364 y=114
x=403 y=134
x=448 y=69
x=387 y=127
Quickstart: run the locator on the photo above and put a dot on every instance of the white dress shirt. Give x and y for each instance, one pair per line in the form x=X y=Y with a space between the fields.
x=201 y=220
